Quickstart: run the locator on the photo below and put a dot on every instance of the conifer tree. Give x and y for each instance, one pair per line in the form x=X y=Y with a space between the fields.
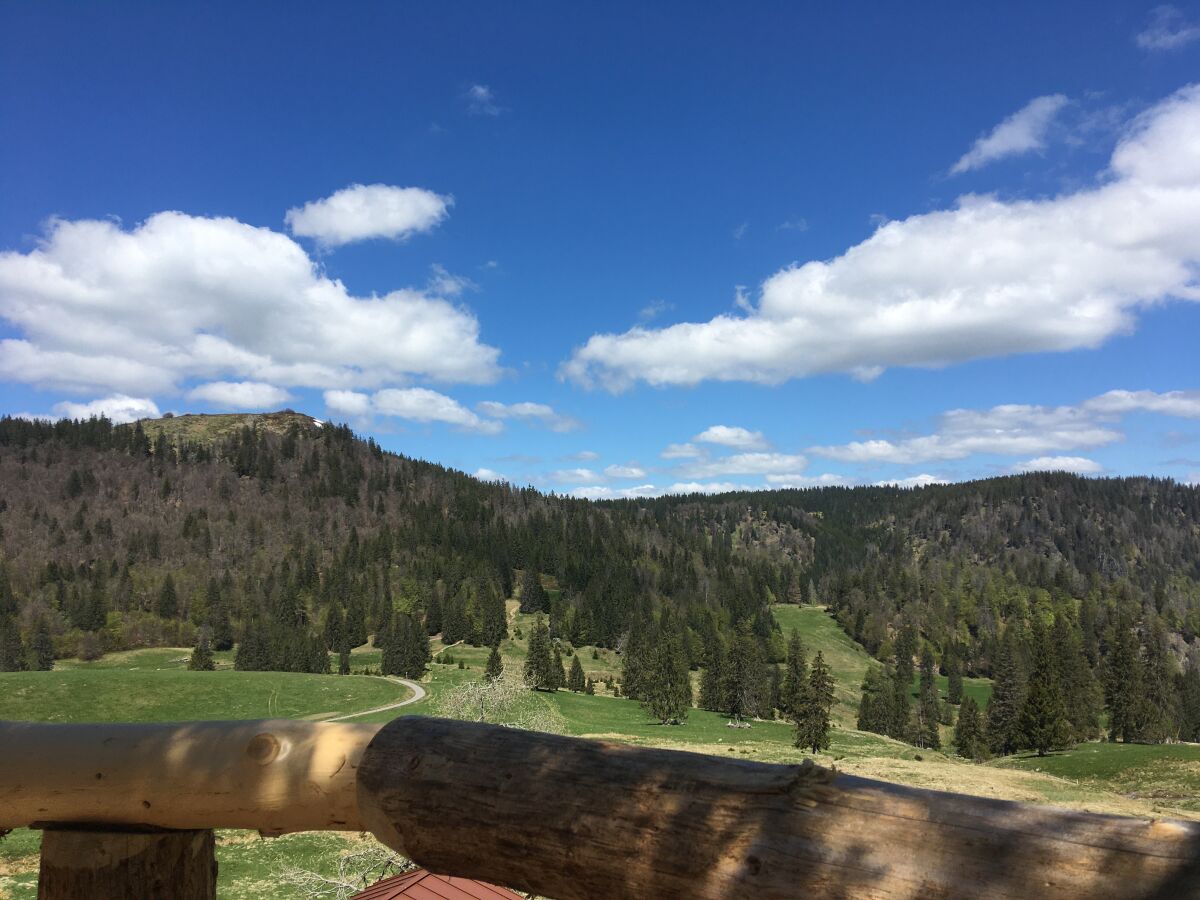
x=576 y=681
x=968 y=731
x=533 y=595
x=202 y=657
x=876 y=712
x=41 y=647
x=1008 y=696
x=928 y=712
x=666 y=691
x=795 y=676
x=557 y=670
x=954 y=675
x=433 y=615
x=1189 y=701
x=902 y=680
x=168 y=602
x=1123 y=683
x=218 y=611
x=741 y=676
x=539 y=663
x=1081 y=692
x=1043 y=725
x=1161 y=702
x=589 y=688
x=495 y=666
x=816 y=703
x=710 y=679
x=635 y=660
x=344 y=658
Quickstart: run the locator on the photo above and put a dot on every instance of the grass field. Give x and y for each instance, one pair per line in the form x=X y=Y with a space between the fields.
x=154 y=685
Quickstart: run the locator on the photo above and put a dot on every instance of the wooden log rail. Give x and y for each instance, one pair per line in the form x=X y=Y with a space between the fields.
x=563 y=817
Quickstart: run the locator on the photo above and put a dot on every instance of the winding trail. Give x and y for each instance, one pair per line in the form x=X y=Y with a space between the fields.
x=418 y=693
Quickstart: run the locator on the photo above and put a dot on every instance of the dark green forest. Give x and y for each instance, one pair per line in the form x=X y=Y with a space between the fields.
x=288 y=539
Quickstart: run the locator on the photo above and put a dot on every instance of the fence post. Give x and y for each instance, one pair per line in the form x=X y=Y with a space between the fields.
x=130 y=865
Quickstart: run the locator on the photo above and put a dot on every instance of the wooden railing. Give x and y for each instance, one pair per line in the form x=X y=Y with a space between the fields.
x=128 y=812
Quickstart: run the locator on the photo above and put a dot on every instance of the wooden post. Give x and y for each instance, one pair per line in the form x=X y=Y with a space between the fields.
x=575 y=819
x=127 y=865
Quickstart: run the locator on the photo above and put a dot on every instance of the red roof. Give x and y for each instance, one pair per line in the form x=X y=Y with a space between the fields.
x=425 y=885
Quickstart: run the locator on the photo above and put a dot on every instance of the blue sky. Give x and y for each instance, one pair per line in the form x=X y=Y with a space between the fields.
x=781 y=246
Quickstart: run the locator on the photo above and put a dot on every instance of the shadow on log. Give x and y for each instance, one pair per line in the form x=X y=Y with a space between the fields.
x=575 y=819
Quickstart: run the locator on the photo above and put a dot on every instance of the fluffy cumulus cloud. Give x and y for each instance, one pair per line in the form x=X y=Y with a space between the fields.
x=481 y=101
x=414 y=404
x=746 y=464
x=732 y=436
x=240 y=394
x=629 y=471
x=913 y=481
x=988 y=277
x=364 y=211
x=603 y=492
x=99 y=307
x=564 y=476
x=1080 y=465
x=486 y=474
x=1023 y=131
x=1185 y=404
x=536 y=413
x=119 y=408
x=1168 y=29
x=681 y=451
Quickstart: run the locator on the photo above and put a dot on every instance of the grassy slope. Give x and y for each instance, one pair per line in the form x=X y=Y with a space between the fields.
x=202 y=427
x=1135 y=780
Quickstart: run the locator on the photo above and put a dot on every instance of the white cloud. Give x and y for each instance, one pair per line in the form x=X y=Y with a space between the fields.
x=1168 y=30
x=350 y=403
x=119 y=408
x=481 y=101
x=444 y=284
x=240 y=394
x=913 y=481
x=985 y=278
x=793 y=480
x=424 y=405
x=1007 y=429
x=732 y=436
x=708 y=487
x=797 y=224
x=583 y=456
x=1185 y=404
x=745 y=464
x=1023 y=131
x=538 y=413
x=600 y=492
x=565 y=475
x=178 y=297
x=681 y=451
x=364 y=211
x=1080 y=465
x=631 y=471
x=485 y=474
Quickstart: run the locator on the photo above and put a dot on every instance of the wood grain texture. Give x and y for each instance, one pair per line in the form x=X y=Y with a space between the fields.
x=273 y=775
x=181 y=865
x=575 y=819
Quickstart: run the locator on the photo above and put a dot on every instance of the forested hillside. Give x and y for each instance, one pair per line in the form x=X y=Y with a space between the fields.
x=291 y=538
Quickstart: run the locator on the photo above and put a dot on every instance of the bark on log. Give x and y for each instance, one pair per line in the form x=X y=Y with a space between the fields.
x=127 y=865
x=575 y=819
x=273 y=775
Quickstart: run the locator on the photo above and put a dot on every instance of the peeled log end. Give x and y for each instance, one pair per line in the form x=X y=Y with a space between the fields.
x=129 y=865
x=570 y=818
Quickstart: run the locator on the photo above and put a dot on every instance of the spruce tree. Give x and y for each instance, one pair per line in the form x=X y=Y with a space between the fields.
x=795 y=676
x=1008 y=696
x=167 y=606
x=954 y=675
x=635 y=660
x=41 y=647
x=1189 y=701
x=1043 y=725
x=876 y=711
x=344 y=659
x=558 y=671
x=928 y=712
x=218 y=611
x=575 y=680
x=202 y=657
x=1123 y=683
x=666 y=690
x=1161 y=703
x=495 y=666
x=902 y=682
x=741 y=676
x=1082 y=697
x=816 y=704
x=539 y=663
x=533 y=595
x=968 y=732
x=711 y=679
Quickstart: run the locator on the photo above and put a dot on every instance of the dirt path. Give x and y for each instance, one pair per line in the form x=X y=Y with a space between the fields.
x=418 y=694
